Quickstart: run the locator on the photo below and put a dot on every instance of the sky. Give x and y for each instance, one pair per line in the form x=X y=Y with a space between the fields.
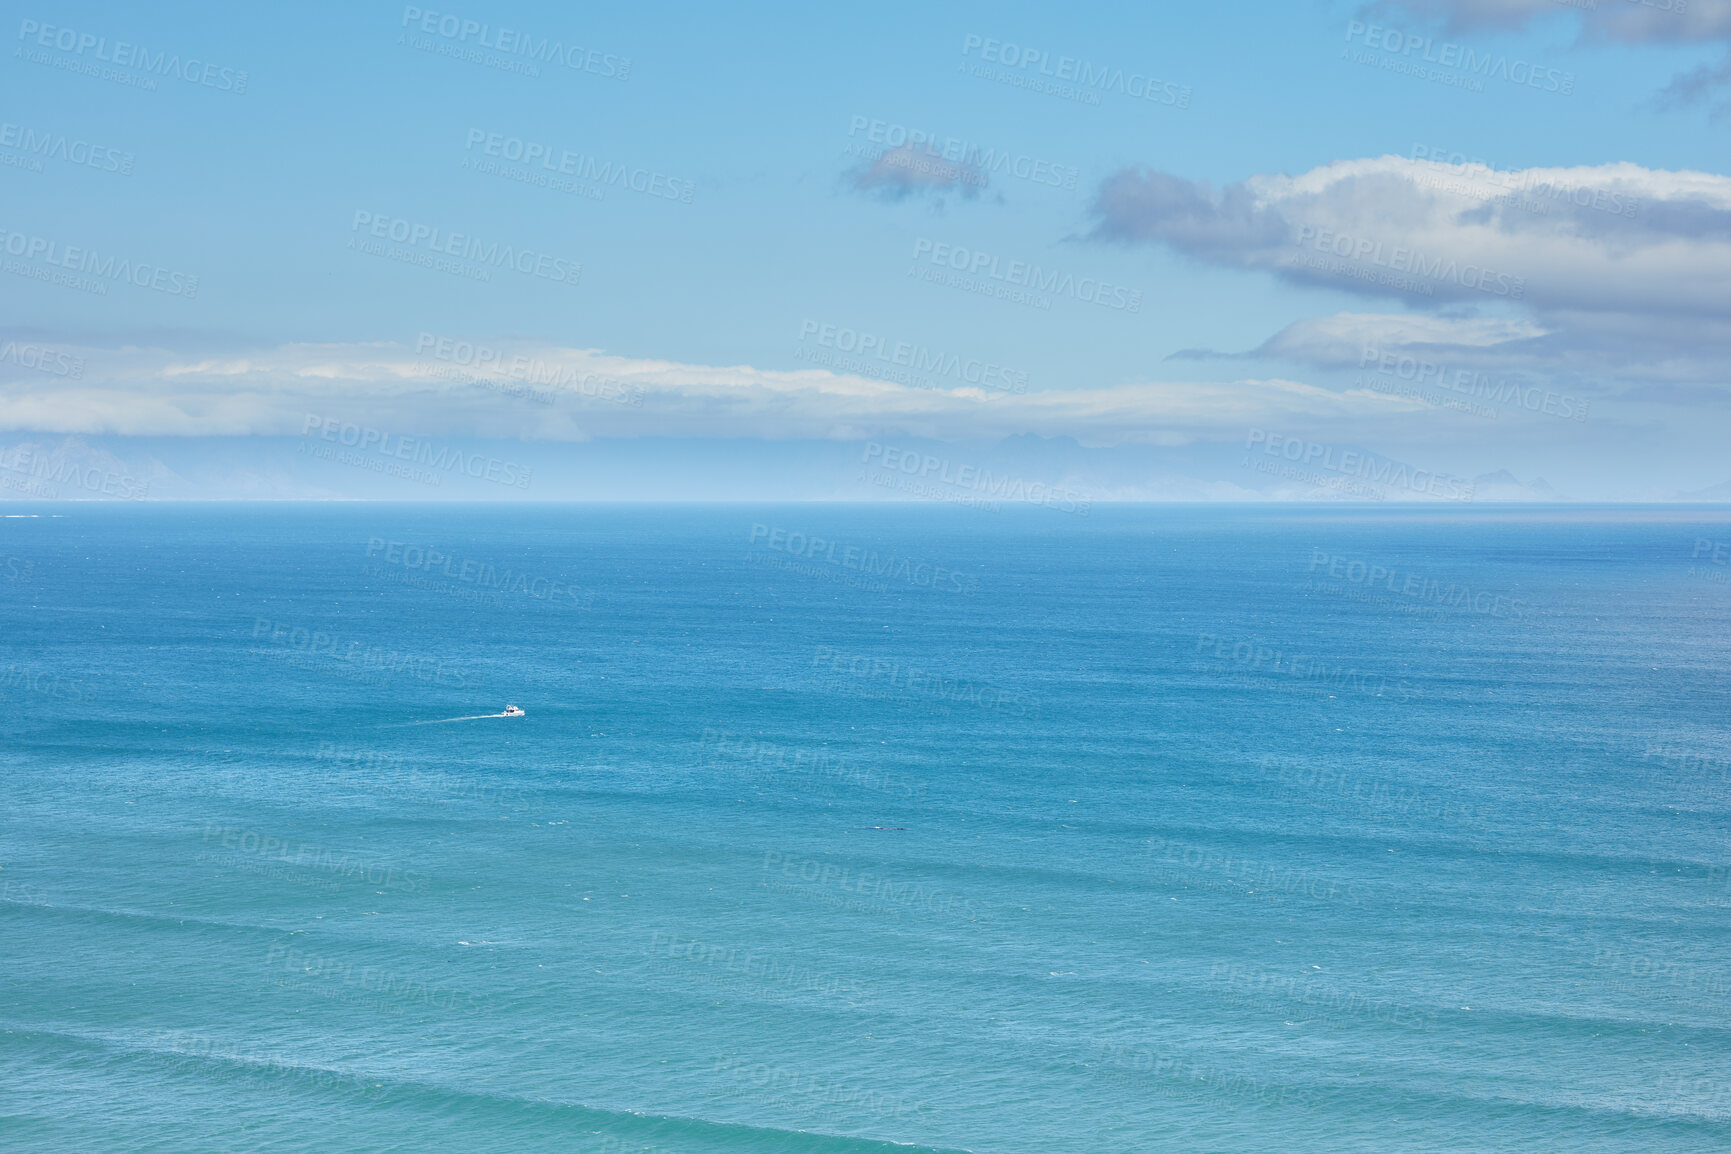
x=1425 y=250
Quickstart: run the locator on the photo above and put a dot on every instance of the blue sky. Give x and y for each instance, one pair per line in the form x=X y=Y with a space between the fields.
x=767 y=216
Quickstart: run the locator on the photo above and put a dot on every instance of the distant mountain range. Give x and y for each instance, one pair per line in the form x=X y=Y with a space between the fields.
x=1019 y=470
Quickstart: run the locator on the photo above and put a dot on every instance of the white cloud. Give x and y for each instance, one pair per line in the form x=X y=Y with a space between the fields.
x=1612 y=268
x=1613 y=238
x=1338 y=339
x=1677 y=350
x=157 y=392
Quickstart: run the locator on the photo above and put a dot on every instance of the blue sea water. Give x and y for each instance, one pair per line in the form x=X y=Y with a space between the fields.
x=840 y=828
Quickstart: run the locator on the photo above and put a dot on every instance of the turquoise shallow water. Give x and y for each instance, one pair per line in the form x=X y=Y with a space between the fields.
x=1160 y=829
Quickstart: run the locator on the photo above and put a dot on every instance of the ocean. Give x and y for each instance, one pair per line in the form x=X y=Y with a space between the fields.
x=850 y=828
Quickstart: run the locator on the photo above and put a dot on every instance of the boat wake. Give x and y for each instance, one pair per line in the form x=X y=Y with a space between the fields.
x=448 y=720
x=509 y=711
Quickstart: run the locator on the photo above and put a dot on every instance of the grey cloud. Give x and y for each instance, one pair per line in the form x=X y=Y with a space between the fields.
x=1679 y=22
x=1628 y=21
x=907 y=171
x=1698 y=85
x=1225 y=226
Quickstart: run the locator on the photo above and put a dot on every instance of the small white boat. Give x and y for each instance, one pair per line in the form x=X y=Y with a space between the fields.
x=512 y=711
